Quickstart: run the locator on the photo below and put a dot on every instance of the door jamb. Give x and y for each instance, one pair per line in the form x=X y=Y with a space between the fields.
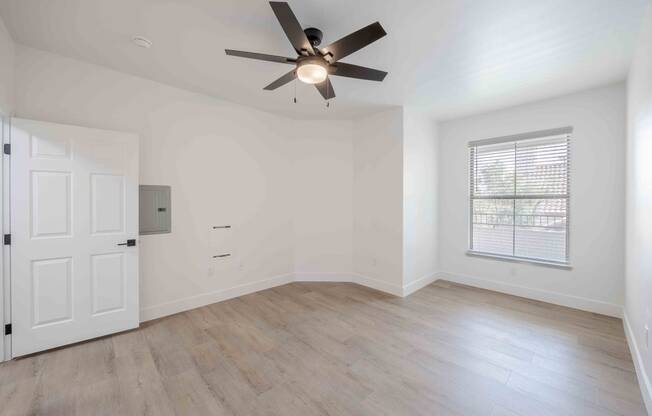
x=5 y=257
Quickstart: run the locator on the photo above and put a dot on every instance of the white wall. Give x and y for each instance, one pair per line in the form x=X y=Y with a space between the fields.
x=638 y=299
x=420 y=181
x=323 y=195
x=597 y=201
x=378 y=199
x=227 y=164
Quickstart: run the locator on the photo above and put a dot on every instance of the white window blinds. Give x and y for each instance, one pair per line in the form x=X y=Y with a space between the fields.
x=519 y=196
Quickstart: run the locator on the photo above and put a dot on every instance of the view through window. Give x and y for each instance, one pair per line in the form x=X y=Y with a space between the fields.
x=519 y=196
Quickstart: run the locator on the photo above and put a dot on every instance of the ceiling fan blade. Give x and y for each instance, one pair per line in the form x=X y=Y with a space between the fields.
x=282 y=81
x=355 y=71
x=354 y=42
x=261 y=56
x=291 y=27
x=326 y=89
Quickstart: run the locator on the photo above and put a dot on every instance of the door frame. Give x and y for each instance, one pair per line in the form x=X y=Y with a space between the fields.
x=5 y=257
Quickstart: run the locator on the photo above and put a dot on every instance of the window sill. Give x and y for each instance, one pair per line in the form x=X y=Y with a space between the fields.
x=565 y=266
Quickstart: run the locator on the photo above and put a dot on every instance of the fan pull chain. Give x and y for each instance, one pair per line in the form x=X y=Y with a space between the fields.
x=295 y=87
x=328 y=93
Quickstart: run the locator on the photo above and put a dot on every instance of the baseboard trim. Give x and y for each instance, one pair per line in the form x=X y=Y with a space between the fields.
x=192 y=302
x=323 y=277
x=377 y=284
x=418 y=284
x=197 y=301
x=643 y=379
x=576 y=302
x=366 y=281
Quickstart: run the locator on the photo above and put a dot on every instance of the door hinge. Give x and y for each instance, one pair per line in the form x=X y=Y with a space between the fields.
x=7 y=329
x=7 y=149
x=7 y=239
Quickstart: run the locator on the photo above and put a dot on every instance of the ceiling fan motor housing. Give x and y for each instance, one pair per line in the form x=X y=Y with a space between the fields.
x=314 y=35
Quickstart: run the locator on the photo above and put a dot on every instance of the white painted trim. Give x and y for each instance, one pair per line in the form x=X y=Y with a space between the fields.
x=419 y=284
x=350 y=278
x=5 y=197
x=562 y=299
x=643 y=379
x=323 y=277
x=377 y=284
x=192 y=302
x=366 y=281
x=169 y=308
x=5 y=222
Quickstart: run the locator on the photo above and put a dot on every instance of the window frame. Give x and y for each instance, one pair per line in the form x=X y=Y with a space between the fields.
x=540 y=134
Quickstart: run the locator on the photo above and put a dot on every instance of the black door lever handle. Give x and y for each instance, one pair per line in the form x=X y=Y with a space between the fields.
x=129 y=243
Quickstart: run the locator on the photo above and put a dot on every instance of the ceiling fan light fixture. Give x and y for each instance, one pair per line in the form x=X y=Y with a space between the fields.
x=311 y=72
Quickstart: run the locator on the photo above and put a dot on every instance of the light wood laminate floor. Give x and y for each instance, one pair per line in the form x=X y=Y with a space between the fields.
x=341 y=349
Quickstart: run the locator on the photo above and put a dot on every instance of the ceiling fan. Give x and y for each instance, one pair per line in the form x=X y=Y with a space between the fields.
x=313 y=64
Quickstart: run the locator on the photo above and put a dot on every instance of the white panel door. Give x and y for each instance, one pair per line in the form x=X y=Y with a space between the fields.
x=74 y=206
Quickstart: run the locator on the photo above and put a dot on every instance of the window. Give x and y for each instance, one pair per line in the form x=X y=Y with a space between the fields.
x=519 y=199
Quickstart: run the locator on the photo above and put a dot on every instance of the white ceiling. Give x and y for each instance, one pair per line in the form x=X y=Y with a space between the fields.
x=451 y=57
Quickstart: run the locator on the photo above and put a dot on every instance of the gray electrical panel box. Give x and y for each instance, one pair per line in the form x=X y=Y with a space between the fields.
x=155 y=210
